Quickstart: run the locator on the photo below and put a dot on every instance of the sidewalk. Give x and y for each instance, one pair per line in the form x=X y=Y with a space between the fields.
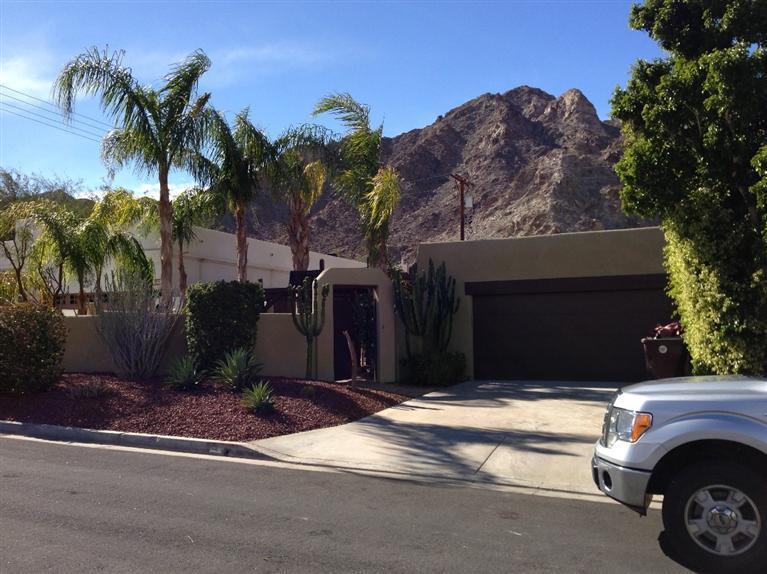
x=537 y=435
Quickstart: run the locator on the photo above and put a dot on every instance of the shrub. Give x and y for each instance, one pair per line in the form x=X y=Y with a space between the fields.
x=89 y=390
x=183 y=375
x=32 y=340
x=435 y=369
x=308 y=392
x=258 y=398
x=135 y=325
x=237 y=369
x=220 y=317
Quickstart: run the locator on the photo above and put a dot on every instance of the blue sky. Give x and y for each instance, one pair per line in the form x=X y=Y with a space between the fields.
x=410 y=61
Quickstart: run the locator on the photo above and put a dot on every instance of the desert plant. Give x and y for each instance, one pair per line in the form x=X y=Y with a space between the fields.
x=371 y=188
x=89 y=390
x=135 y=324
x=298 y=181
x=184 y=375
x=237 y=369
x=220 y=317
x=308 y=391
x=241 y=159
x=158 y=128
x=426 y=303
x=308 y=312
x=258 y=397
x=435 y=369
x=32 y=339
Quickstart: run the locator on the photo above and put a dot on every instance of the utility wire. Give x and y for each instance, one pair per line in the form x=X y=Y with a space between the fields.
x=26 y=111
x=55 y=113
x=49 y=125
x=110 y=126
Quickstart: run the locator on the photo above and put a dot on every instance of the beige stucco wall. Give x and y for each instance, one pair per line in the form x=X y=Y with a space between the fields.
x=587 y=254
x=279 y=347
x=365 y=277
x=86 y=352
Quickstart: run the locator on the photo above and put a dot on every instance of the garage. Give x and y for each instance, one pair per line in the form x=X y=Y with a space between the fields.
x=585 y=328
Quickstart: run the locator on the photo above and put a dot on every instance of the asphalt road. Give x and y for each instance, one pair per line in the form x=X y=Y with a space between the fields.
x=76 y=509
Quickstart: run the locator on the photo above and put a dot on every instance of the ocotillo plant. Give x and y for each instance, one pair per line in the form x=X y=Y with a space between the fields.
x=308 y=313
x=426 y=304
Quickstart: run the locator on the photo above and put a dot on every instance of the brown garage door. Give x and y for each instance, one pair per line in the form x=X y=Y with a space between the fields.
x=566 y=329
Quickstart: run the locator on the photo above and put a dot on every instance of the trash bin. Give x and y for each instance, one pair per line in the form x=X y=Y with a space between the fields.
x=665 y=357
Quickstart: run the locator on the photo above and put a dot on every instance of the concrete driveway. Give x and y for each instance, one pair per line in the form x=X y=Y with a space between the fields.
x=534 y=435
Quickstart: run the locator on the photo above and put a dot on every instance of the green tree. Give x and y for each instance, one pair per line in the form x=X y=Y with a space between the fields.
x=240 y=161
x=17 y=239
x=83 y=246
x=372 y=189
x=157 y=127
x=193 y=207
x=695 y=130
x=299 y=178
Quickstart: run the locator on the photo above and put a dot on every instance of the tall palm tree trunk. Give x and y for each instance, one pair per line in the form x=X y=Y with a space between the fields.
x=81 y=308
x=242 y=243
x=298 y=238
x=181 y=269
x=166 y=239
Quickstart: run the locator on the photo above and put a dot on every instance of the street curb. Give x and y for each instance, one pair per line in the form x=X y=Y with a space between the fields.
x=135 y=440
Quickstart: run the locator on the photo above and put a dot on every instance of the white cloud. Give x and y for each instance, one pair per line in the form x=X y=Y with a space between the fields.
x=153 y=189
x=31 y=72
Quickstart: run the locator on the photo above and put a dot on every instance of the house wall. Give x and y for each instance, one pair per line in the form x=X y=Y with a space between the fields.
x=212 y=257
x=387 y=354
x=587 y=254
x=280 y=348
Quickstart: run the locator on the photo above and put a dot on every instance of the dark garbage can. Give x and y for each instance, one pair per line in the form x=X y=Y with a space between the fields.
x=665 y=357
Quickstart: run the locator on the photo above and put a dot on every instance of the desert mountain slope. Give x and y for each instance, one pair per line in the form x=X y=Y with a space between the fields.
x=538 y=164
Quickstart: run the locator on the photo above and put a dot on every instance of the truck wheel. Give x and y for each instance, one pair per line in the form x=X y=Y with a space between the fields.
x=715 y=515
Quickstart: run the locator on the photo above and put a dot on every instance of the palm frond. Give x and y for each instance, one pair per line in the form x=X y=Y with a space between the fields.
x=382 y=199
x=354 y=116
x=96 y=72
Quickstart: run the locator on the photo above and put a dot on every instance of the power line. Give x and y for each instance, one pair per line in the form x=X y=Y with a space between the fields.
x=55 y=113
x=49 y=125
x=26 y=111
x=110 y=126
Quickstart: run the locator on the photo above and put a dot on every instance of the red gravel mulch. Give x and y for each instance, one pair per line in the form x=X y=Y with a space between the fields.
x=210 y=412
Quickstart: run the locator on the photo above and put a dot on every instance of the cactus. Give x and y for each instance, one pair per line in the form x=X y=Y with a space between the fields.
x=426 y=303
x=307 y=320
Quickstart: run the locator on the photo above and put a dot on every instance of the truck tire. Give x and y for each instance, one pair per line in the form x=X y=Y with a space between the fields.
x=715 y=516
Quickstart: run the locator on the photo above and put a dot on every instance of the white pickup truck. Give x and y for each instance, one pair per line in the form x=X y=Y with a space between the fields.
x=701 y=442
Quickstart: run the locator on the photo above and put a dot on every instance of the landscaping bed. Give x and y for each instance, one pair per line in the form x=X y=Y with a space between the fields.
x=105 y=402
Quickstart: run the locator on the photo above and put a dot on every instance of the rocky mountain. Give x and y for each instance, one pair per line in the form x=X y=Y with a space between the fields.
x=537 y=163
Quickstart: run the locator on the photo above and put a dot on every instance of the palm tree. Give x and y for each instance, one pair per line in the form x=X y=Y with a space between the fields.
x=193 y=207
x=302 y=157
x=85 y=245
x=17 y=239
x=372 y=189
x=241 y=159
x=157 y=127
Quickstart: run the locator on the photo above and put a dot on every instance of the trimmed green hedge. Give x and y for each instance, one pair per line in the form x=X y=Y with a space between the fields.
x=32 y=339
x=220 y=317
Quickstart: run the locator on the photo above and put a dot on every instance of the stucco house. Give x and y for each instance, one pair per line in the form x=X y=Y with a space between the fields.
x=211 y=257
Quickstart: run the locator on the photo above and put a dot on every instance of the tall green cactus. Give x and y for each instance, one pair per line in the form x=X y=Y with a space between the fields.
x=426 y=303
x=306 y=317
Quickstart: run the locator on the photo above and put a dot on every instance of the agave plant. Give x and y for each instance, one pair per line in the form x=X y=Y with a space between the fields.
x=184 y=375
x=258 y=397
x=237 y=369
